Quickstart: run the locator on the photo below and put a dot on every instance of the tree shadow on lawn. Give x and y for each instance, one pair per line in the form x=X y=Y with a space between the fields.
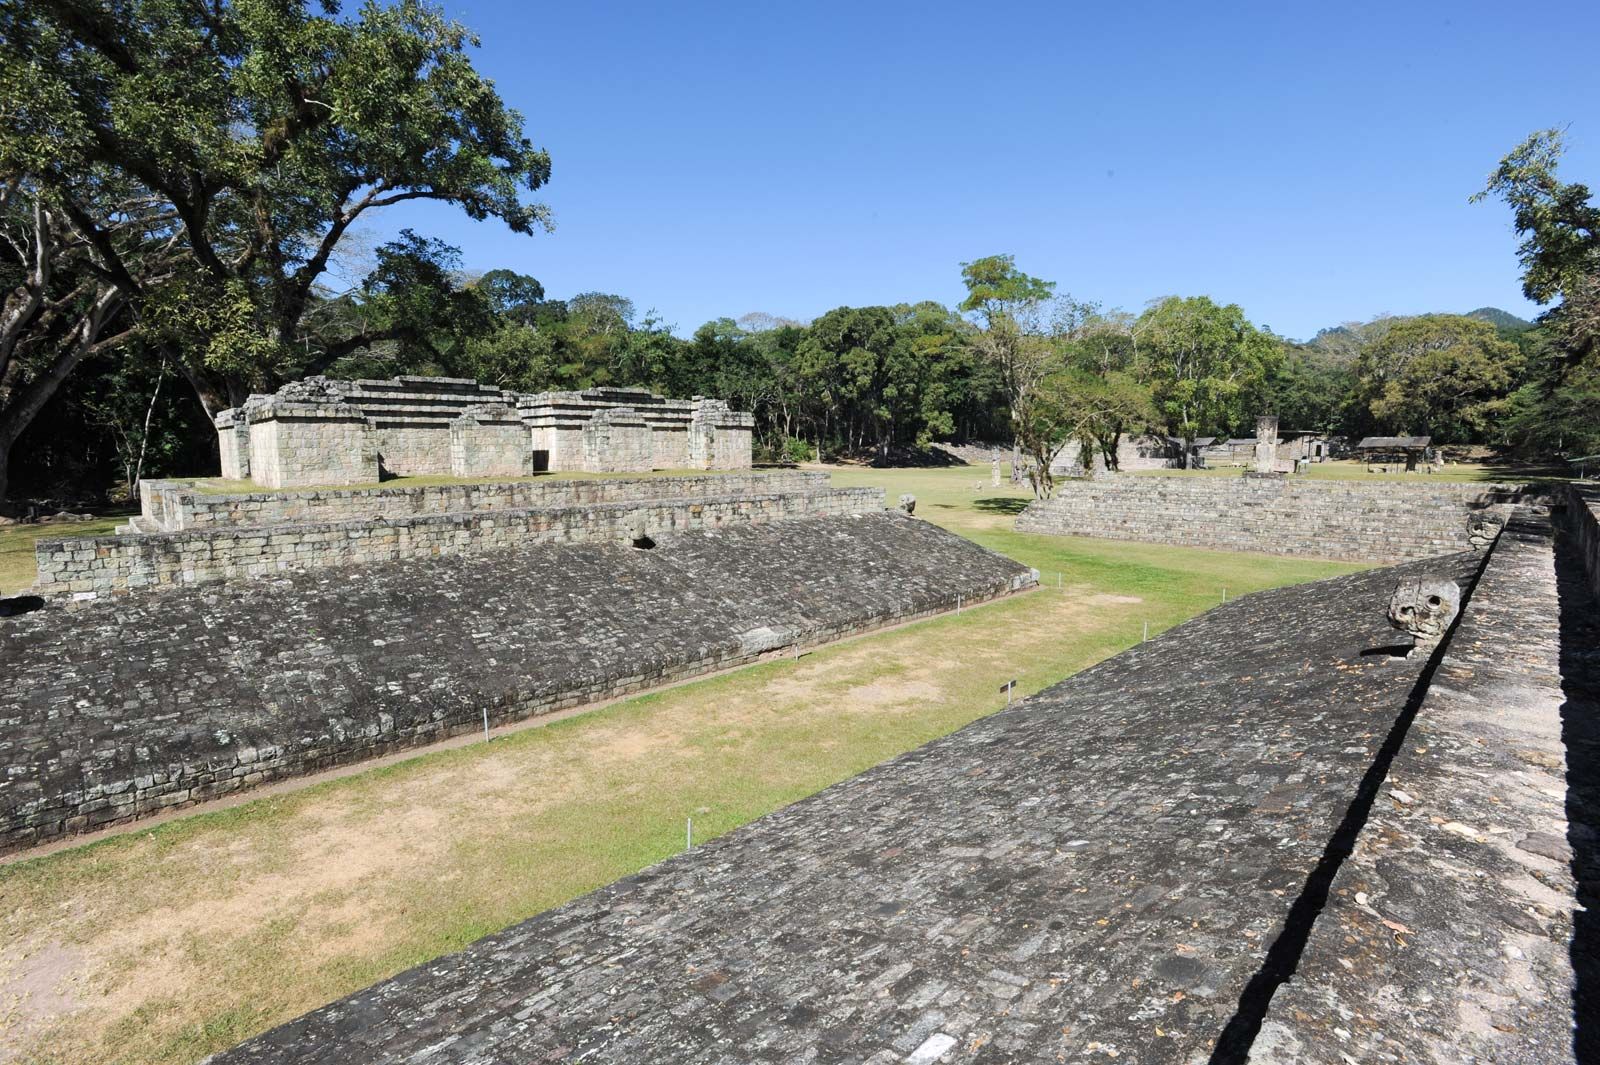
x=1002 y=504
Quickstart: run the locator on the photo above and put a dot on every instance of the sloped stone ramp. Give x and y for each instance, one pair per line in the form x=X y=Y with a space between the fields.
x=137 y=704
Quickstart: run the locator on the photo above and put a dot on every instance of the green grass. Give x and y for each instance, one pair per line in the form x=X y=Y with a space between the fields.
x=17 y=567
x=189 y=936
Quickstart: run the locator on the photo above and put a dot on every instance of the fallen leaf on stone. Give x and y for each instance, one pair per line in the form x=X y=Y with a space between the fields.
x=1397 y=927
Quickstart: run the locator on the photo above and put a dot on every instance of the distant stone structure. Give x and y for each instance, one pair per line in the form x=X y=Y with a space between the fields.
x=322 y=431
x=1267 y=444
x=1368 y=521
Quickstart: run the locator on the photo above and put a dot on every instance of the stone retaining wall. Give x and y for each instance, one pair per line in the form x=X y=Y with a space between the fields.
x=90 y=567
x=127 y=707
x=1583 y=522
x=1449 y=932
x=171 y=506
x=1370 y=521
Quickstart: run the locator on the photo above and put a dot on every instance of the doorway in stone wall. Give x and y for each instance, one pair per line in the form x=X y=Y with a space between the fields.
x=541 y=461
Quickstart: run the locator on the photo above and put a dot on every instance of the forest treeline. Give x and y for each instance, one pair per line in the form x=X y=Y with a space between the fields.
x=183 y=187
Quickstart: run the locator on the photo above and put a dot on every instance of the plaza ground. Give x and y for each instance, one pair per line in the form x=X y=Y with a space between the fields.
x=172 y=941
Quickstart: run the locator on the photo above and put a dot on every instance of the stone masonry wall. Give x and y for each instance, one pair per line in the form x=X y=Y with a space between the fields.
x=172 y=506
x=618 y=440
x=127 y=707
x=312 y=445
x=489 y=443
x=107 y=565
x=1583 y=522
x=1373 y=521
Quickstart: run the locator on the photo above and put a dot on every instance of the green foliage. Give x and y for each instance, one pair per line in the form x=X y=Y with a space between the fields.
x=996 y=286
x=1555 y=410
x=1202 y=360
x=1439 y=374
x=1559 y=225
x=265 y=132
x=1504 y=321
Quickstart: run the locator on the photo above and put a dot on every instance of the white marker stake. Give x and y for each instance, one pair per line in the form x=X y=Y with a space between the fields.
x=958 y=604
x=688 y=833
x=1147 y=631
x=1006 y=687
x=486 y=724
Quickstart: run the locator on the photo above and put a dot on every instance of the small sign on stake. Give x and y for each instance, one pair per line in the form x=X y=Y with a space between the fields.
x=1006 y=687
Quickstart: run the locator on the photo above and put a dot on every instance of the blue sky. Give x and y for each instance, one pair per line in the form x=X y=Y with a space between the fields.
x=1309 y=162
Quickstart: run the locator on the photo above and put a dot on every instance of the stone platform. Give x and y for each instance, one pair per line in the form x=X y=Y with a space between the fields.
x=1094 y=875
x=1363 y=521
x=1455 y=930
x=130 y=705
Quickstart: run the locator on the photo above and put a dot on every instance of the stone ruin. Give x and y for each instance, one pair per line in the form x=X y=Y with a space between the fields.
x=1423 y=607
x=1127 y=866
x=322 y=431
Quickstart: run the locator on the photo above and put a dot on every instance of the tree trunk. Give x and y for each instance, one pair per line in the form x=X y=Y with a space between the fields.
x=27 y=402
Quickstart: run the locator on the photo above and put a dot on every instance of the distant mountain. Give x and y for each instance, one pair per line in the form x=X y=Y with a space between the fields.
x=1341 y=342
x=1501 y=319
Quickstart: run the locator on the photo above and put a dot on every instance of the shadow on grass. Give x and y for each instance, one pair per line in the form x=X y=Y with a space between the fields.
x=1002 y=505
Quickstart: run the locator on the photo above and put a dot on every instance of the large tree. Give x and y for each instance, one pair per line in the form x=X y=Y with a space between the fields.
x=1021 y=330
x=1202 y=359
x=1443 y=374
x=71 y=266
x=266 y=132
x=1559 y=222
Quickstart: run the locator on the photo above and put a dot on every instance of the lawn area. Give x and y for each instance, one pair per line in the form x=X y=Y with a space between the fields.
x=17 y=568
x=166 y=944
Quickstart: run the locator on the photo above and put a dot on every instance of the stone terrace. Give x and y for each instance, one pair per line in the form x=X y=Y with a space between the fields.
x=1371 y=521
x=131 y=705
x=1093 y=874
x=1449 y=934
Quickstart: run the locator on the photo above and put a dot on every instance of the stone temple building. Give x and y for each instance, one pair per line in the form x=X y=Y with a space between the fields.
x=321 y=431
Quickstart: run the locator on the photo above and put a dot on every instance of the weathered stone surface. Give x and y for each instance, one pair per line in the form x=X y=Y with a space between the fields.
x=1371 y=521
x=173 y=506
x=1449 y=932
x=1093 y=875
x=91 y=567
x=1424 y=608
x=128 y=706
x=326 y=431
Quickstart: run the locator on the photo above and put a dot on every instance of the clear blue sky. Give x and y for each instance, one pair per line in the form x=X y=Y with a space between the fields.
x=1309 y=162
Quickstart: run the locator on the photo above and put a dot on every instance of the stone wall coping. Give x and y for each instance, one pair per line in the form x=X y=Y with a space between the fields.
x=457 y=517
x=186 y=491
